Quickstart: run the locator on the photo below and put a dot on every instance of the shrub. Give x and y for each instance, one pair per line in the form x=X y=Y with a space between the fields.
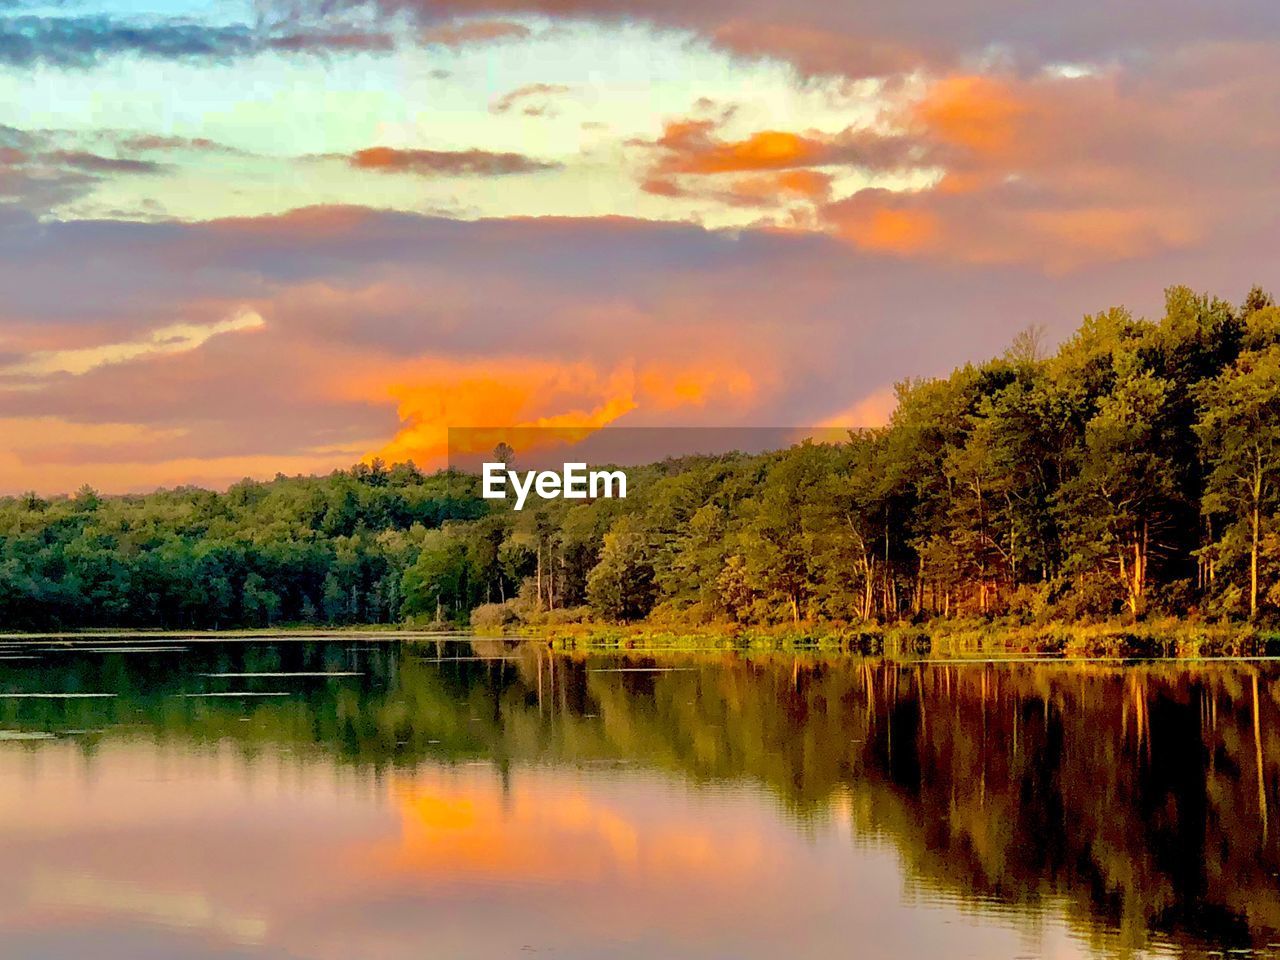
x=493 y=617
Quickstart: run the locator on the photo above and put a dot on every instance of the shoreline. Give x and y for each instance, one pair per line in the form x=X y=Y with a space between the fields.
x=1164 y=638
x=291 y=632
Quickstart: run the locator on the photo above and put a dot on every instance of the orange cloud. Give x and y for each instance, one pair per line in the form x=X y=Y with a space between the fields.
x=52 y=455
x=769 y=168
x=980 y=114
x=766 y=150
x=1047 y=170
x=977 y=229
x=760 y=190
x=883 y=228
x=688 y=146
x=1051 y=170
x=571 y=399
x=799 y=184
x=873 y=410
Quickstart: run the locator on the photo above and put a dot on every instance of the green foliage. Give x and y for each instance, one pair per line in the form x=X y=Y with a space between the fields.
x=320 y=549
x=620 y=586
x=1239 y=428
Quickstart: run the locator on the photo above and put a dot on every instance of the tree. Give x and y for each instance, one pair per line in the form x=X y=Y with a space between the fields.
x=774 y=542
x=261 y=603
x=504 y=454
x=620 y=586
x=1124 y=496
x=87 y=498
x=436 y=584
x=1240 y=431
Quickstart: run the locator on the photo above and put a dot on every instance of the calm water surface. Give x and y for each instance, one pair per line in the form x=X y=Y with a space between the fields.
x=355 y=799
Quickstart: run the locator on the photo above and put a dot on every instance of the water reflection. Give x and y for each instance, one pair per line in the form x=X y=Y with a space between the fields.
x=482 y=800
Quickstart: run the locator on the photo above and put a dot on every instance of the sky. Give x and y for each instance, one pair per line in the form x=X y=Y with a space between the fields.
x=243 y=238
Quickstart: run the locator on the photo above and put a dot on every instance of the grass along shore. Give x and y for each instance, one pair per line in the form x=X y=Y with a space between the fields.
x=1169 y=637
x=1151 y=638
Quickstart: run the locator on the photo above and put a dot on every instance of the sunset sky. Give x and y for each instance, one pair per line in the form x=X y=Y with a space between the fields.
x=238 y=238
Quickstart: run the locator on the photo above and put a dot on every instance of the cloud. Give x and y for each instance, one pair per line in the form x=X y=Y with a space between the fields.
x=473 y=32
x=981 y=114
x=381 y=326
x=93 y=163
x=874 y=221
x=811 y=185
x=447 y=163
x=328 y=42
x=1008 y=161
x=765 y=168
x=873 y=410
x=689 y=146
x=157 y=143
x=434 y=394
x=170 y=339
x=1057 y=171
x=814 y=50
x=38 y=176
x=58 y=455
x=870 y=38
x=79 y=42
x=533 y=99
x=763 y=190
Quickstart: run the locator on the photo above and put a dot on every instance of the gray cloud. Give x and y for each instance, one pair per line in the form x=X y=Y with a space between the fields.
x=865 y=37
x=532 y=99
x=38 y=174
x=79 y=42
x=93 y=163
x=446 y=163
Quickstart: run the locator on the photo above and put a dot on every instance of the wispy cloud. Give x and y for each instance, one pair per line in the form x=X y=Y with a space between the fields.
x=93 y=163
x=447 y=163
x=80 y=42
x=766 y=168
x=168 y=340
x=533 y=99
x=466 y=32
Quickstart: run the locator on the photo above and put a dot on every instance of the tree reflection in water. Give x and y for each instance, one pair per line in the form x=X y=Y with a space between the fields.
x=1137 y=798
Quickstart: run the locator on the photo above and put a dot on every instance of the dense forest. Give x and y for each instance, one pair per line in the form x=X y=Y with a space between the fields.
x=1132 y=471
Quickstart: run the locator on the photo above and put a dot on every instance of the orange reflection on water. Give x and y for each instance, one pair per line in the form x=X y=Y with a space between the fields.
x=469 y=826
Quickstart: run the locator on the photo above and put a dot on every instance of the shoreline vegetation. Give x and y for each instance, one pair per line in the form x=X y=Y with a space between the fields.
x=1120 y=496
x=1156 y=639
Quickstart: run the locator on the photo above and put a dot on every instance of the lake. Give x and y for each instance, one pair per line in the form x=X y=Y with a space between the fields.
x=363 y=798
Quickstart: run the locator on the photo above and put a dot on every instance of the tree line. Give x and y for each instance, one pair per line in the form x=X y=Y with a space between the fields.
x=1131 y=471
